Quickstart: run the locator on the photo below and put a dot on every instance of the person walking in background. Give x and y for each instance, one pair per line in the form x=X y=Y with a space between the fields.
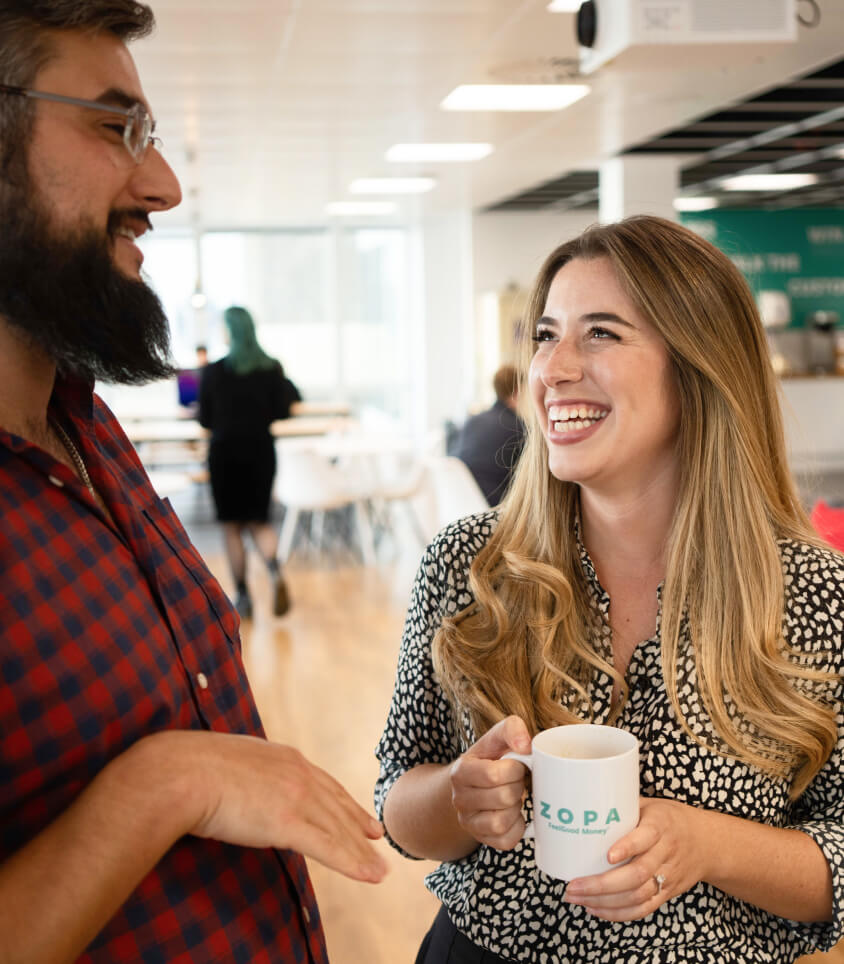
x=239 y=398
x=651 y=568
x=144 y=816
x=490 y=442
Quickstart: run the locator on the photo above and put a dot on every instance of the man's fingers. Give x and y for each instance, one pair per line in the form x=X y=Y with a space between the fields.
x=331 y=808
x=344 y=853
x=337 y=792
x=335 y=830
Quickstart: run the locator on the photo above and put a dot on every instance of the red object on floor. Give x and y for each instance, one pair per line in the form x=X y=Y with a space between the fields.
x=829 y=523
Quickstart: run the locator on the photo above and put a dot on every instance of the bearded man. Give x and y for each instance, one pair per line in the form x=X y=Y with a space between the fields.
x=143 y=815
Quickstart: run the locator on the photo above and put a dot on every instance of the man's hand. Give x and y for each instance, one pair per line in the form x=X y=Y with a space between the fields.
x=254 y=793
x=486 y=791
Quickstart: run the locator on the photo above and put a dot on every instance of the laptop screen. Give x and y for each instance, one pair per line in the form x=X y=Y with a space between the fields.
x=187 y=380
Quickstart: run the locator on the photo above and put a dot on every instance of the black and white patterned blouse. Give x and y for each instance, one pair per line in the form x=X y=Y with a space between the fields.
x=502 y=902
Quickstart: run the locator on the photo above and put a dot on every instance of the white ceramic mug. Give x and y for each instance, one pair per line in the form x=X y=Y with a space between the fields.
x=585 y=796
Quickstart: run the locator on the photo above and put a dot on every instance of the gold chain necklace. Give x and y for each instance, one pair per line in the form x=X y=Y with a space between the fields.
x=76 y=458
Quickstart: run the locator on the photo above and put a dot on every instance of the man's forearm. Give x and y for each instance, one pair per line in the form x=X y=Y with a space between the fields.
x=61 y=889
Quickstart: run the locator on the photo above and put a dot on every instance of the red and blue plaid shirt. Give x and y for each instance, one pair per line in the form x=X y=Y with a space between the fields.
x=110 y=633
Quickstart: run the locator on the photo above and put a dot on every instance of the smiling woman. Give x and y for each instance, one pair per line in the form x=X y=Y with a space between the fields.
x=603 y=386
x=650 y=568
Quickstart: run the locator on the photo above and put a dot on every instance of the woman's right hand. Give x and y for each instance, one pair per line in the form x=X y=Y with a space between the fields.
x=486 y=791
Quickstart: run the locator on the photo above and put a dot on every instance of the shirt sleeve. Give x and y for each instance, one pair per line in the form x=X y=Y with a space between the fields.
x=420 y=726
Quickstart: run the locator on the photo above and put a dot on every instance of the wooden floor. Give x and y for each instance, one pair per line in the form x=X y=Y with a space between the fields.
x=322 y=678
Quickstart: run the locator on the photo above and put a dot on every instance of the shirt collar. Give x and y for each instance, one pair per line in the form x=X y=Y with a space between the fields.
x=75 y=396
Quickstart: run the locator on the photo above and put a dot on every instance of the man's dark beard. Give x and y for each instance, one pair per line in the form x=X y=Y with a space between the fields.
x=65 y=294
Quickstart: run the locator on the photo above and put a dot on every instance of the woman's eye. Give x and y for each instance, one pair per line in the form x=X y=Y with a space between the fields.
x=116 y=127
x=542 y=334
x=602 y=334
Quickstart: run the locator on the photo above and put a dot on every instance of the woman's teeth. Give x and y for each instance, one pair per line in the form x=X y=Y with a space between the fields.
x=126 y=233
x=571 y=418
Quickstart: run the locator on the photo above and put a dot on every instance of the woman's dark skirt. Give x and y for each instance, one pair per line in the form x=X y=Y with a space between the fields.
x=444 y=944
x=242 y=472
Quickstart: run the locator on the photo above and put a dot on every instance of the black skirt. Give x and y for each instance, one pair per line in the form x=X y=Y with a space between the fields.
x=242 y=472
x=444 y=944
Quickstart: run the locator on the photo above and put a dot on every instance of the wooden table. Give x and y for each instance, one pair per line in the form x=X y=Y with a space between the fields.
x=189 y=430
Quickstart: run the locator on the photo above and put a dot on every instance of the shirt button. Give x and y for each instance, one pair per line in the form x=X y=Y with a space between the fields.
x=202 y=679
x=307 y=915
x=56 y=482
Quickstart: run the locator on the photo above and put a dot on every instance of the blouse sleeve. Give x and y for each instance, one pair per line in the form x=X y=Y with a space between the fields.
x=420 y=726
x=819 y=811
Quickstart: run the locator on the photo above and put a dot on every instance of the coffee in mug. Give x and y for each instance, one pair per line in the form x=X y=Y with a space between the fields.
x=585 y=796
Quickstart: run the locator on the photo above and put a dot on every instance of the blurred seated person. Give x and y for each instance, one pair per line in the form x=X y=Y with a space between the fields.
x=490 y=442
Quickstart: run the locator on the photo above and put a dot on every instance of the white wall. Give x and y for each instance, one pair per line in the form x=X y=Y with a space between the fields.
x=441 y=322
x=508 y=248
x=511 y=246
x=813 y=413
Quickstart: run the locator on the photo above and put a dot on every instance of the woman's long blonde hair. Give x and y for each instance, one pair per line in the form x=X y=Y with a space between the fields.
x=524 y=646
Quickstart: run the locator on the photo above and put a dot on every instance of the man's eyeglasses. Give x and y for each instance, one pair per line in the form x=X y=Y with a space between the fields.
x=137 y=129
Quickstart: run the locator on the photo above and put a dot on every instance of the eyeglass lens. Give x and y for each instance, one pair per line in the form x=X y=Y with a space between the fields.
x=138 y=131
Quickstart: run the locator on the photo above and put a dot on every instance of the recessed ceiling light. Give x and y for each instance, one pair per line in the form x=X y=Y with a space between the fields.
x=525 y=97
x=392 y=185
x=767 y=182
x=438 y=152
x=695 y=203
x=351 y=208
x=564 y=6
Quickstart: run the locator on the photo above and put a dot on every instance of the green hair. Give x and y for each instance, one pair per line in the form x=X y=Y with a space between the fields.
x=245 y=354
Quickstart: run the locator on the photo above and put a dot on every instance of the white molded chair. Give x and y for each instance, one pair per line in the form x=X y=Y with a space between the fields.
x=307 y=481
x=449 y=492
x=401 y=489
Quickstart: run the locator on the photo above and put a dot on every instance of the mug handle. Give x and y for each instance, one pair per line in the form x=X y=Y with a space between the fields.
x=527 y=760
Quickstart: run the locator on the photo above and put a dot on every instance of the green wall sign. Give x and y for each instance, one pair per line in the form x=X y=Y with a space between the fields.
x=798 y=252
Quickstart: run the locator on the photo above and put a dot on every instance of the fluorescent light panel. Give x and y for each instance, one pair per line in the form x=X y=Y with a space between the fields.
x=564 y=6
x=767 y=182
x=391 y=185
x=514 y=97
x=352 y=208
x=403 y=153
x=695 y=203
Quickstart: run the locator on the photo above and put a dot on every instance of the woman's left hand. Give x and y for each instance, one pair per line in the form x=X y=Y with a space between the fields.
x=666 y=856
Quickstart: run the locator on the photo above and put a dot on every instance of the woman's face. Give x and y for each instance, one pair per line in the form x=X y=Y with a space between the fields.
x=603 y=385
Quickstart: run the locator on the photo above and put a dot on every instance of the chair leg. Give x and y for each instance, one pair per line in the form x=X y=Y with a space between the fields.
x=365 y=533
x=415 y=524
x=288 y=529
x=318 y=530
